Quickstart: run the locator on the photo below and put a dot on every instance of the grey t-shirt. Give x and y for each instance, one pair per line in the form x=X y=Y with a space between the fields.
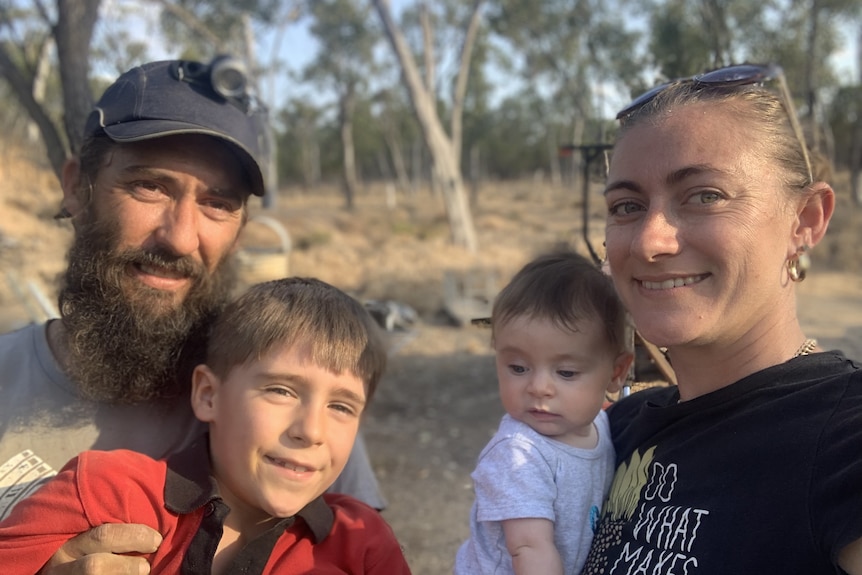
x=44 y=423
x=521 y=474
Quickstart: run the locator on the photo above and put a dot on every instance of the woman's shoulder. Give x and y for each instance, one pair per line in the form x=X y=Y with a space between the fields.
x=829 y=369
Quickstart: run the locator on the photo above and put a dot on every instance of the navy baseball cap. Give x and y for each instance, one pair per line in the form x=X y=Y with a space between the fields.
x=171 y=97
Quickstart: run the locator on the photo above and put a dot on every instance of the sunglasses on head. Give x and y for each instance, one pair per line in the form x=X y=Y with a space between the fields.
x=731 y=77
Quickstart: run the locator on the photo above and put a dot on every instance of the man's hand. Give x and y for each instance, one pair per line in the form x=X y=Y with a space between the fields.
x=94 y=552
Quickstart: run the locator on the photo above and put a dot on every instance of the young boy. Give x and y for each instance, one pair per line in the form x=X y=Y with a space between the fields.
x=291 y=365
x=558 y=333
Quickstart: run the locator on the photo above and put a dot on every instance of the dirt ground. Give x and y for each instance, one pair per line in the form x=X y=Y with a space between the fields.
x=437 y=405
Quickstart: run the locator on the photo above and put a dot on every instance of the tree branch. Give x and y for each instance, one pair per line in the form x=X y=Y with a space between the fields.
x=460 y=89
x=192 y=23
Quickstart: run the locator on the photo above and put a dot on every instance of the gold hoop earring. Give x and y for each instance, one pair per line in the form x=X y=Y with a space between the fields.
x=798 y=265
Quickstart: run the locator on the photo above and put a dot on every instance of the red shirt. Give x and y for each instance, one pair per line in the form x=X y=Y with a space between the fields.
x=178 y=498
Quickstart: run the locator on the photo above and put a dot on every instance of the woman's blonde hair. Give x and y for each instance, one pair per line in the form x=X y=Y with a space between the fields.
x=758 y=108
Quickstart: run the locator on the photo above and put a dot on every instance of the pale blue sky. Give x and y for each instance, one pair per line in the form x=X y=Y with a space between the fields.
x=298 y=47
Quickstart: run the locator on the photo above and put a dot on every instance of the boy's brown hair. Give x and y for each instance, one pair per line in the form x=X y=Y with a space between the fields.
x=566 y=288
x=340 y=333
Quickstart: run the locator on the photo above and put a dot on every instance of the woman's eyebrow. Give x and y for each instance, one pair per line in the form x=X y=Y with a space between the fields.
x=673 y=178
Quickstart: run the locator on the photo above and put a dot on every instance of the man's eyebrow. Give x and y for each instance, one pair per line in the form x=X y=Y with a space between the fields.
x=158 y=174
x=145 y=170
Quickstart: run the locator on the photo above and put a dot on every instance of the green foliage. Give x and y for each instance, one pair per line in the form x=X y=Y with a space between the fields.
x=679 y=46
x=298 y=142
x=551 y=58
x=347 y=39
x=515 y=143
x=845 y=121
x=203 y=28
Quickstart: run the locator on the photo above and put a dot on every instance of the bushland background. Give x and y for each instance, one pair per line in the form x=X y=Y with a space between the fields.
x=437 y=405
x=417 y=149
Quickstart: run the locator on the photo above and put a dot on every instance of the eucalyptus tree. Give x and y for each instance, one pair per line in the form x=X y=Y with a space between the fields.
x=196 y=28
x=845 y=117
x=343 y=65
x=435 y=33
x=479 y=115
x=517 y=138
x=397 y=126
x=422 y=91
x=689 y=36
x=69 y=25
x=199 y=29
x=299 y=142
x=818 y=21
x=566 y=49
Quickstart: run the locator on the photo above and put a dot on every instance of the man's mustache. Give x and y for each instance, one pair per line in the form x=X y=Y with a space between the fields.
x=184 y=266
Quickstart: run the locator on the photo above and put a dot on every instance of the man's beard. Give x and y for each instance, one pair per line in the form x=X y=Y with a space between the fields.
x=127 y=342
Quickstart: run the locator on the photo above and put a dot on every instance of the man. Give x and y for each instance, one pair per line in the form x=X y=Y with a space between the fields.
x=158 y=198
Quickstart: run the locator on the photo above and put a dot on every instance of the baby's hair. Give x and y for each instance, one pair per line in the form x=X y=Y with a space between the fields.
x=566 y=288
x=339 y=333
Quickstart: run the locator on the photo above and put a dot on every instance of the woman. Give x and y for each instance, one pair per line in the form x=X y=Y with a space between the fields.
x=753 y=463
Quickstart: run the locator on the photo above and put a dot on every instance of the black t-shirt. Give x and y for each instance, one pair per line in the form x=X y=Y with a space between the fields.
x=762 y=477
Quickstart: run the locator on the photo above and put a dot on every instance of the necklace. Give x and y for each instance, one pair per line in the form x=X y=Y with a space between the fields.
x=807 y=347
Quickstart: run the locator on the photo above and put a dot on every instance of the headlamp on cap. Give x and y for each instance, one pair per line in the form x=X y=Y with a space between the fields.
x=229 y=77
x=226 y=75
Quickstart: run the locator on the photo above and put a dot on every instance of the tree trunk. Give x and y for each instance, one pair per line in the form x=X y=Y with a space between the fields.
x=578 y=129
x=856 y=161
x=856 y=146
x=73 y=33
x=429 y=59
x=40 y=84
x=475 y=175
x=415 y=166
x=811 y=65
x=22 y=88
x=193 y=23
x=269 y=151
x=446 y=167
x=460 y=88
x=554 y=158
x=348 y=152
x=428 y=49
x=306 y=161
x=309 y=152
x=396 y=154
